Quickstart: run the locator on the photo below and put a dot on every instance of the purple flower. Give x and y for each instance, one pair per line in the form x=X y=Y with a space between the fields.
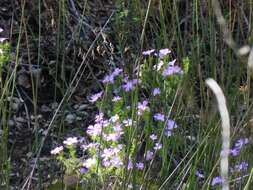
x=238 y=146
x=113 y=136
x=129 y=85
x=116 y=72
x=149 y=155
x=108 y=79
x=128 y=122
x=116 y=98
x=90 y=146
x=95 y=97
x=114 y=118
x=172 y=63
x=159 y=117
x=129 y=165
x=163 y=52
x=200 y=175
x=242 y=166
x=3 y=39
x=148 y=52
x=99 y=117
x=158 y=66
x=57 y=150
x=235 y=151
x=89 y=162
x=1 y=30
x=171 y=124
x=107 y=153
x=83 y=170
x=70 y=141
x=156 y=91
x=241 y=142
x=116 y=161
x=106 y=162
x=140 y=165
x=94 y=130
x=216 y=180
x=170 y=70
x=142 y=107
x=153 y=137
x=157 y=146
x=167 y=133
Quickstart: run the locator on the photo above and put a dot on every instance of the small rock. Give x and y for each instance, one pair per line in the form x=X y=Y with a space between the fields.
x=70 y=118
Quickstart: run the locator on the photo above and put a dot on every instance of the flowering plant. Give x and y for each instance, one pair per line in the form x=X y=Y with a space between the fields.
x=131 y=127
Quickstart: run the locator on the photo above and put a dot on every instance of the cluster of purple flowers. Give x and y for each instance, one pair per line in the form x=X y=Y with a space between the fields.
x=107 y=132
x=170 y=68
x=161 y=53
x=239 y=166
x=111 y=156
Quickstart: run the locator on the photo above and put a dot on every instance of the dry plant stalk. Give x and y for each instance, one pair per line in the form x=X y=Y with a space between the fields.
x=212 y=84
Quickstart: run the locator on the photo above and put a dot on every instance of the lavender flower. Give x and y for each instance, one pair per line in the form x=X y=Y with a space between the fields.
x=108 y=79
x=171 y=124
x=107 y=153
x=156 y=91
x=83 y=170
x=3 y=39
x=114 y=118
x=116 y=98
x=139 y=165
x=113 y=136
x=148 y=52
x=153 y=137
x=129 y=85
x=234 y=151
x=95 y=97
x=172 y=63
x=241 y=142
x=89 y=163
x=129 y=165
x=157 y=146
x=167 y=133
x=163 y=52
x=106 y=162
x=99 y=117
x=57 y=150
x=94 y=130
x=158 y=66
x=170 y=70
x=216 y=180
x=142 y=107
x=117 y=72
x=116 y=162
x=70 y=141
x=90 y=146
x=159 y=117
x=200 y=175
x=242 y=166
x=149 y=155
x=128 y=122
